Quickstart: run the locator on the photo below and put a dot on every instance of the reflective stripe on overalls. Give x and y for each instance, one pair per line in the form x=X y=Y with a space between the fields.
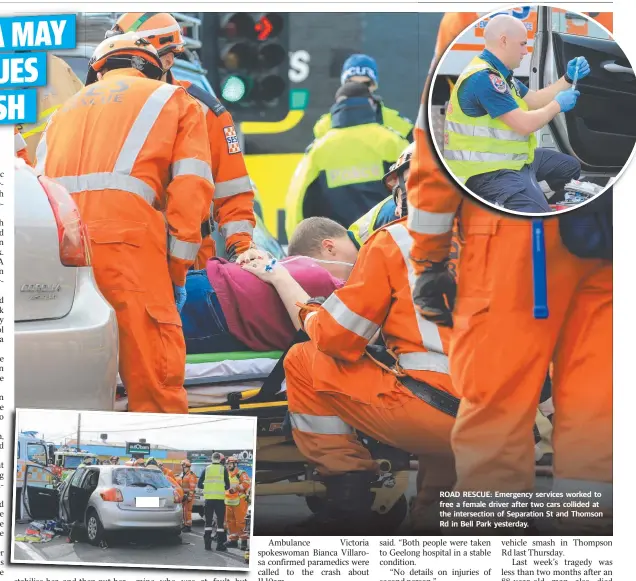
x=477 y=145
x=121 y=178
x=214 y=483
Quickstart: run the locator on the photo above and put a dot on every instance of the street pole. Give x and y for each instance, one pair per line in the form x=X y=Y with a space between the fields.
x=79 y=423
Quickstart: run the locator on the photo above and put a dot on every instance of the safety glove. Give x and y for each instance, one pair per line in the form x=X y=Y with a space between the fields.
x=567 y=99
x=180 y=296
x=572 y=74
x=434 y=293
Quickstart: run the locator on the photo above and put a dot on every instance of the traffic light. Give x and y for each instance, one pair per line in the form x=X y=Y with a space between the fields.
x=251 y=72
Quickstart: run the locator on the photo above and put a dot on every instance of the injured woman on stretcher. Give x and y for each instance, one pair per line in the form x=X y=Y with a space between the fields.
x=236 y=326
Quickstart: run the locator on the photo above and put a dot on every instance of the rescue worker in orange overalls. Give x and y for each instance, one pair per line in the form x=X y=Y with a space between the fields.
x=176 y=485
x=233 y=204
x=236 y=504
x=353 y=390
x=20 y=146
x=450 y=27
x=188 y=482
x=133 y=152
x=499 y=352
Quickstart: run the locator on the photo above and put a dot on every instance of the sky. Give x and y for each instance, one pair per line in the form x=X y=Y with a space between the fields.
x=183 y=432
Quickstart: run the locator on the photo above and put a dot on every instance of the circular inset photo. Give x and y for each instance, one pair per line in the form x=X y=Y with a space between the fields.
x=532 y=109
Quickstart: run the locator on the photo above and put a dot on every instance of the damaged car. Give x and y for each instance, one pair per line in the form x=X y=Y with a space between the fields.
x=104 y=499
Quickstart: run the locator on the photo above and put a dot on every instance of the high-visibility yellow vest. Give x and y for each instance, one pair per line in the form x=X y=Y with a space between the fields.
x=477 y=145
x=214 y=483
x=233 y=499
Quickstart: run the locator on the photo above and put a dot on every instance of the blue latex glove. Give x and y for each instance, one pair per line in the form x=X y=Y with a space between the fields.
x=567 y=99
x=180 y=296
x=584 y=69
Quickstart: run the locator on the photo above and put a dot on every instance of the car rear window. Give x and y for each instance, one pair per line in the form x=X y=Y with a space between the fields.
x=136 y=476
x=198 y=469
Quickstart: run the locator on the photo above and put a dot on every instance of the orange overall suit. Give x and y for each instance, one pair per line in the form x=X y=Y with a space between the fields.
x=188 y=482
x=133 y=153
x=233 y=205
x=333 y=388
x=499 y=352
x=236 y=504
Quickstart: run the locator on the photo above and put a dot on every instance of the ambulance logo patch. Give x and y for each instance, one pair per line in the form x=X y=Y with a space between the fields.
x=498 y=83
x=233 y=145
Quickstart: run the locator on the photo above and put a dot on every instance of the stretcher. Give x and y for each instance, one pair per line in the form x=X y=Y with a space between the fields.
x=252 y=384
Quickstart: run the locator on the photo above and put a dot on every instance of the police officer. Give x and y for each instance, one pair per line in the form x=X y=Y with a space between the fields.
x=389 y=209
x=489 y=141
x=361 y=68
x=214 y=481
x=340 y=176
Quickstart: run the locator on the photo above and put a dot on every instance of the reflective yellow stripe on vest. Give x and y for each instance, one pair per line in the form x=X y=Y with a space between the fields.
x=477 y=145
x=214 y=483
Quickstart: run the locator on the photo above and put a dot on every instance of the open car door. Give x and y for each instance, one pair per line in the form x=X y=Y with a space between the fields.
x=601 y=130
x=40 y=496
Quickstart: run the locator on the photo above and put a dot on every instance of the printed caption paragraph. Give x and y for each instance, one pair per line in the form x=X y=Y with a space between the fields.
x=430 y=559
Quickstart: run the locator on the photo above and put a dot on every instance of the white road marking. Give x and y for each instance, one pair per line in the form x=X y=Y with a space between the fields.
x=33 y=554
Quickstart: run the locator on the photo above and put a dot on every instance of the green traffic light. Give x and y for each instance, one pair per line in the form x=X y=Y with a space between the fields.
x=233 y=89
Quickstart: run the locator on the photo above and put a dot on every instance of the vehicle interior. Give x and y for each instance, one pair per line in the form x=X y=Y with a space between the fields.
x=600 y=131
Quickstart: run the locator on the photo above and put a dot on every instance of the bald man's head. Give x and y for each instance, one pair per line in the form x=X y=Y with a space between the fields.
x=507 y=38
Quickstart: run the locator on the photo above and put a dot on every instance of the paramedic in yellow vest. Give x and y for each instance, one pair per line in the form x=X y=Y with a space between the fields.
x=236 y=503
x=214 y=481
x=489 y=141
x=340 y=175
x=361 y=68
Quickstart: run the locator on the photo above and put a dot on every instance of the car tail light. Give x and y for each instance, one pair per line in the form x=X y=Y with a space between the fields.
x=112 y=495
x=71 y=231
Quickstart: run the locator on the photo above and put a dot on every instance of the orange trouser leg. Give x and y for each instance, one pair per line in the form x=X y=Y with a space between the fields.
x=500 y=352
x=131 y=271
x=327 y=398
x=582 y=391
x=206 y=251
x=187 y=512
x=231 y=522
x=242 y=515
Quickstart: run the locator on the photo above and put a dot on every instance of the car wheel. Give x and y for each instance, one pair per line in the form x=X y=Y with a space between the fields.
x=94 y=528
x=174 y=532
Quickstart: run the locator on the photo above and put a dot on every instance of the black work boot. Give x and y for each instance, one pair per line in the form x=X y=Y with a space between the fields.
x=231 y=544
x=186 y=529
x=221 y=538
x=243 y=545
x=347 y=507
x=207 y=540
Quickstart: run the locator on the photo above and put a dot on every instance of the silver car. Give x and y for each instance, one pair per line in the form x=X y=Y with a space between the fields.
x=105 y=499
x=65 y=331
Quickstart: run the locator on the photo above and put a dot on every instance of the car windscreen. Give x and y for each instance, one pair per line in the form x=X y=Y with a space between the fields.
x=72 y=461
x=139 y=477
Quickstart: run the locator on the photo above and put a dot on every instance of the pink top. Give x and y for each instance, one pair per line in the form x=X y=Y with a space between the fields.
x=252 y=308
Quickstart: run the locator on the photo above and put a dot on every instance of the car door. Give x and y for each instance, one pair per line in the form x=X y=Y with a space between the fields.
x=601 y=130
x=74 y=495
x=40 y=496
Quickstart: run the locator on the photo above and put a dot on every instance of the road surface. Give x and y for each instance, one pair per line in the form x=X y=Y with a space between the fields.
x=138 y=550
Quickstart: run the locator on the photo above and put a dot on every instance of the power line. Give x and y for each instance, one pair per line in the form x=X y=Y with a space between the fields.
x=161 y=427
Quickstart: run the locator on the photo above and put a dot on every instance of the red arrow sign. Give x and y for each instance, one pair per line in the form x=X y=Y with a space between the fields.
x=263 y=27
